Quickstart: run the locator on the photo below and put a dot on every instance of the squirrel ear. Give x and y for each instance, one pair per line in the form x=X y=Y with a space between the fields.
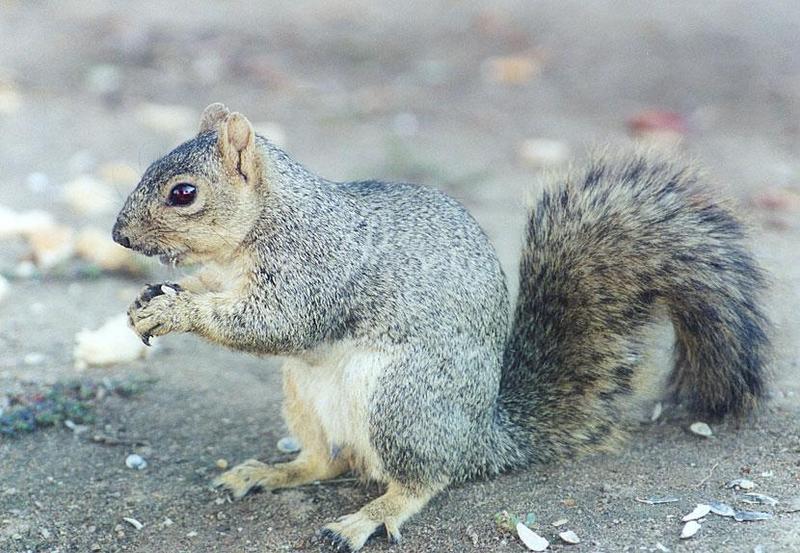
x=212 y=116
x=237 y=144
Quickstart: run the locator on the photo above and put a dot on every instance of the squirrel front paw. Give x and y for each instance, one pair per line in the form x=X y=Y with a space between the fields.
x=159 y=309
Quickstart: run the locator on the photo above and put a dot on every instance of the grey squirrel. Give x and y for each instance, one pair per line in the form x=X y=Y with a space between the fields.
x=390 y=306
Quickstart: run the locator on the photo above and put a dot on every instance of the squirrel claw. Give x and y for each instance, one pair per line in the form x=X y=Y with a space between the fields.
x=335 y=540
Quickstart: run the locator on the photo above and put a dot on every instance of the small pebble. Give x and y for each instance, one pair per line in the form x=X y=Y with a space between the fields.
x=569 y=537
x=95 y=547
x=699 y=512
x=741 y=484
x=701 y=429
x=532 y=540
x=167 y=522
x=689 y=529
x=45 y=533
x=661 y=547
x=191 y=534
x=136 y=462
x=559 y=522
x=288 y=444
x=222 y=464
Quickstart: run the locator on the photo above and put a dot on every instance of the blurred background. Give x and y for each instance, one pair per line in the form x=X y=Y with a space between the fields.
x=476 y=98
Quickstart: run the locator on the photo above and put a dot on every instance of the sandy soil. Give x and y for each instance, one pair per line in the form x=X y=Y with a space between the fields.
x=365 y=89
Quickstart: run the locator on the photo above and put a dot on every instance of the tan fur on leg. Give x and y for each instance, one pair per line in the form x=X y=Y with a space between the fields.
x=315 y=461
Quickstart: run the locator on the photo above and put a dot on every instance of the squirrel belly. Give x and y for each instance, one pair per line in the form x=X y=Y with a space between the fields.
x=390 y=304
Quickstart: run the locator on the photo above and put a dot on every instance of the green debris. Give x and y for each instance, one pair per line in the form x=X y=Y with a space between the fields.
x=507 y=522
x=74 y=400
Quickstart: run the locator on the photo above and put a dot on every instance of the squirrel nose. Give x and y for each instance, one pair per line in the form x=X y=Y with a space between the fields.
x=120 y=238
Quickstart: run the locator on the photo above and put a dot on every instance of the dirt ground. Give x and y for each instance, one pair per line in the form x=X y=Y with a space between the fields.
x=367 y=89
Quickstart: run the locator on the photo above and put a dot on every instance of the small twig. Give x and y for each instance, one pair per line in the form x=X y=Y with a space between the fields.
x=704 y=480
x=112 y=441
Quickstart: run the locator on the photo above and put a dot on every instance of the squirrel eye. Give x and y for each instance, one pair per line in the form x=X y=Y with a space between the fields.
x=182 y=194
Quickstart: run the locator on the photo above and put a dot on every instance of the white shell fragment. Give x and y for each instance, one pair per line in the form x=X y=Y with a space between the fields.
x=559 y=522
x=112 y=343
x=135 y=462
x=168 y=290
x=741 y=484
x=690 y=529
x=4 y=287
x=532 y=540
x=569 y=537
x=288 y=444
x=750 y=516
x=699 y=512
x=721 y=509
x=133 y=522
x=701 y=429
x=658 y=408
x=758 y=499
x=657 y=500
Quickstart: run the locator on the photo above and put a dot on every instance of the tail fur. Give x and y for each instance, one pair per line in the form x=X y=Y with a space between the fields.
x=604 y=250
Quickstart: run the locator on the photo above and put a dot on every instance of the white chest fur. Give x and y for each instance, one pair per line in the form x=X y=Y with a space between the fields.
x=336 y=383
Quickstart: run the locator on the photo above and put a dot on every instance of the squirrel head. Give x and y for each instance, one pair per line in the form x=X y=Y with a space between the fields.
x=199 y=202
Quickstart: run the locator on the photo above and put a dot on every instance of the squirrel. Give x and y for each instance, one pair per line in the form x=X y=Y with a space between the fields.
x=403 y=358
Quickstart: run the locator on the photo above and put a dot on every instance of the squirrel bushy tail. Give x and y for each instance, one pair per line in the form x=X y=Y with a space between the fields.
x=603 y=251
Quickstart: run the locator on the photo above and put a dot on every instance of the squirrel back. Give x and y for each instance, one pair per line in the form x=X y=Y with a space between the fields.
x=606 y=248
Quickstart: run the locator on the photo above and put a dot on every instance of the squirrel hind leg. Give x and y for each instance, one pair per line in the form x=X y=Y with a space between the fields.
x=309 y=466
x=386 y=513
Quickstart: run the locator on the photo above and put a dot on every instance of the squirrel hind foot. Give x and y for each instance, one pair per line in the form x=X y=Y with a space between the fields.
x=352 y=531
x=244 y=478
x=386 y=514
